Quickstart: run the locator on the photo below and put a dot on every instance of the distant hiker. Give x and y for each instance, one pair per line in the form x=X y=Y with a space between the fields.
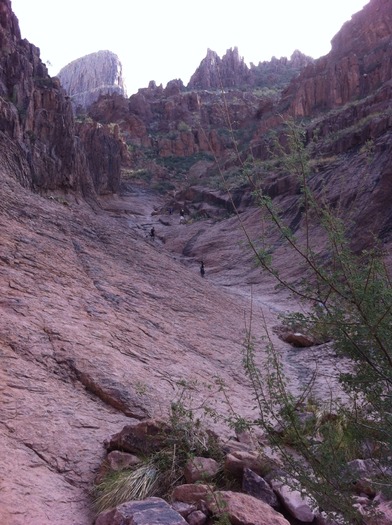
x=202 y=270
x=170 y=211
x=152 y=233
x=182 y=212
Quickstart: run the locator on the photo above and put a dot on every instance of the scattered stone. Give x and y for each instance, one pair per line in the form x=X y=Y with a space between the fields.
x=300 y=507
x=382 y=514
x=254 y=485
x=151 y=511
x=323 y=519
x=242 y=509
x=236 y=462
x=183 y=508
x=192 y=493
x=360 y=468
x=200 y=468
x=197 y=518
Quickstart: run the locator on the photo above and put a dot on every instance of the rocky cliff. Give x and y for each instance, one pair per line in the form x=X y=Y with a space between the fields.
x=100 y=325
x=230 y=71
x=91 y=76
x=345 y=97
x=358 y=64
x=37 y=124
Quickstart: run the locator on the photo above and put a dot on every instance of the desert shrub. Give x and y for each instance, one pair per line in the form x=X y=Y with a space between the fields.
x=127 y=485
x=163 y=186
x=161 y=470
x=345 y=297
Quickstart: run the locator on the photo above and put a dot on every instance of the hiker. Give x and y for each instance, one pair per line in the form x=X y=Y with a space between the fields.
x=152 y=233
x=202 y=270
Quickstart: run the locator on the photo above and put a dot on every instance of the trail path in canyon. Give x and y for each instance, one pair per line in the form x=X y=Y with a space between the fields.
x=100 y=324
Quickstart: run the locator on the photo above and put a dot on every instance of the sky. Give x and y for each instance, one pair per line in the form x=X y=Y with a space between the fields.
x=163 y=40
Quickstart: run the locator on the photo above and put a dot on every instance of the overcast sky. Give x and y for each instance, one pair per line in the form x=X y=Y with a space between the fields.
x=163 y=40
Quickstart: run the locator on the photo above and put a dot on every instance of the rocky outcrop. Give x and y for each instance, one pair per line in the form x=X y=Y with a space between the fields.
x=173 y=123
x=278 y=72
x=230 y=71
x=91 y=76
x=218 y=73
x=105 y=153
x=358 y=64
x=38 y=134
x=36 y=116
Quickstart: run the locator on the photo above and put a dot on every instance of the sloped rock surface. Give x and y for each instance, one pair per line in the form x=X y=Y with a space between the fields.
x=94 y=317
x=91 y=76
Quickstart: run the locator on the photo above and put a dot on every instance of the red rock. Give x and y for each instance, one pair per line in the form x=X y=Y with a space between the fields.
x=119 y=460
x=197 y=518
x=144 y=437
x=244 y=510
x=191 y=493
x=199 y=468
x=236 y=462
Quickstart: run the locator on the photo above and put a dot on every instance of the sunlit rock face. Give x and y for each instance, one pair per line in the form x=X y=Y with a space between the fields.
x=86 y=78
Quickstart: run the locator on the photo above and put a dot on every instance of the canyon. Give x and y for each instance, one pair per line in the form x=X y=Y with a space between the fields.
x=101 y=325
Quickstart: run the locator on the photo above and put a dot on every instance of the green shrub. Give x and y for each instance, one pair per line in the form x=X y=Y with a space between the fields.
x=346 y=298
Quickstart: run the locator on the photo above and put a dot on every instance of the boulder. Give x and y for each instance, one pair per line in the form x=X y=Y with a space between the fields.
x=299 y=506
x=200 y=468
x=242 y=509
x=256 y=486
x=236 y=462
x=143 y=437
x=192 y=493
x=151 y=511
x=197 y=518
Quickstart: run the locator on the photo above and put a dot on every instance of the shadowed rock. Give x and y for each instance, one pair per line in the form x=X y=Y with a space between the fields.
x=151 y=511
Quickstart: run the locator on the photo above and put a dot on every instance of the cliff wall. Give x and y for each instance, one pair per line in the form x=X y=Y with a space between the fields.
x=91 y=76
x=38 y=136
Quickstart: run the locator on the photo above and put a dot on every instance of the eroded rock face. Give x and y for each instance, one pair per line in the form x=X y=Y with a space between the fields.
x=217 y=73
x=358 y=64
x=36 y=116
x=105 y=153
x=38 y=127
x=230 y=71
x=91 y=76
